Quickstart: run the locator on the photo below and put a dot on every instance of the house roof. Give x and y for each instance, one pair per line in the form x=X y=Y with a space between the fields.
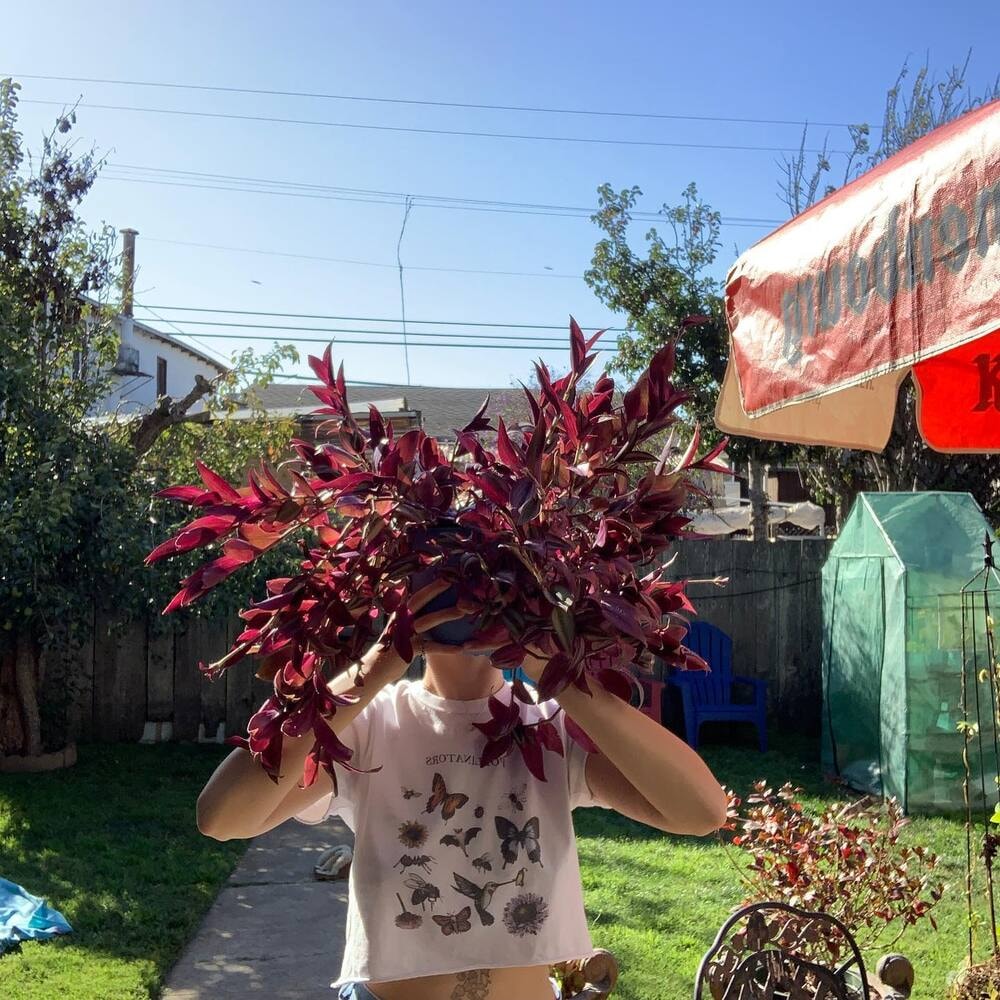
x=441 y=408
x=387 y=407
x=147 y=331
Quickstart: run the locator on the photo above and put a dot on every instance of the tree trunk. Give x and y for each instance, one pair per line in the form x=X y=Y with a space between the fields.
x=11 y=726
x=168 y=412
x=758 y=500
x=26 y=685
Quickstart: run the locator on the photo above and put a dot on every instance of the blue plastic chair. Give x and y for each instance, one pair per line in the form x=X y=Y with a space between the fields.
x=708 y=697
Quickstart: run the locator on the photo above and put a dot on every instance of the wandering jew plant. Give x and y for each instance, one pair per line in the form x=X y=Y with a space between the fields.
x=539 y=530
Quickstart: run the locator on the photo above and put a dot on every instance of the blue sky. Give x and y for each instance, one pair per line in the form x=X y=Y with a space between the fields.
x=775 y=61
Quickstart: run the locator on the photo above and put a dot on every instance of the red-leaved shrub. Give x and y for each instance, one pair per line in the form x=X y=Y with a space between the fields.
x=540 y=533
x=847 y=862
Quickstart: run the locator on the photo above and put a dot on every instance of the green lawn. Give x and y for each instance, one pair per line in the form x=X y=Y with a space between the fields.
x=112 y=844
x=656 y=901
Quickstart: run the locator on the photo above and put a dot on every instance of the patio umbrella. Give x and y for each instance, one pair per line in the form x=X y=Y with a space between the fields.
x=896 y=273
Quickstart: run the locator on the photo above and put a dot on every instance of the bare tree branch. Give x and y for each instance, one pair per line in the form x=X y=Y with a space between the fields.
x=169 y=412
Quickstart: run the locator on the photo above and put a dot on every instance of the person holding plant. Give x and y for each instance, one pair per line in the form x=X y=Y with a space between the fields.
x=465 y=883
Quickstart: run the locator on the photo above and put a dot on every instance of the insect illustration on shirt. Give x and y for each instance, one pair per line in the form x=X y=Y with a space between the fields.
x=483 y=863
x=482 y=896
x=455 y=923
x=423 y=891
x=514 y=799
x=460 y=839
x=409 y=793
x=513 y=839
x=416 y=861
x=449 y=802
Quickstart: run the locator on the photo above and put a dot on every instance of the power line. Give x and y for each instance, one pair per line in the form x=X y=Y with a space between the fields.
x=412 y=130
x=364 y=195
x=349 y=382
x=255 y=91
x=399 y=343
x=379 y=319
x=366 y=201
x=361 y=263
x=176 y=329
x=435 y=334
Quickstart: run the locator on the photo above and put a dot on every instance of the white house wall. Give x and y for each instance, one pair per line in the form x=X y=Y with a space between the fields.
x=138 y=393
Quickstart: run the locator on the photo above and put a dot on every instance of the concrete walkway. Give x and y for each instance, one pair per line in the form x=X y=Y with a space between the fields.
x=274 y=931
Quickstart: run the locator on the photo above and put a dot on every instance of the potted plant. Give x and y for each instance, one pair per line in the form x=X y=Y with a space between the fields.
x=540 y=530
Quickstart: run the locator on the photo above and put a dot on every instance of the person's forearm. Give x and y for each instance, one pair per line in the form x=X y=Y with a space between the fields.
x=239 y=796
x=672 y=778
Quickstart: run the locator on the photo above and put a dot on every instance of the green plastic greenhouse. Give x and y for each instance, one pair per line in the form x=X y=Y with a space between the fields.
x=893 y=647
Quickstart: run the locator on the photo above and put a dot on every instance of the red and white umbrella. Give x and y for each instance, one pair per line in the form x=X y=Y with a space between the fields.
x=897 y=272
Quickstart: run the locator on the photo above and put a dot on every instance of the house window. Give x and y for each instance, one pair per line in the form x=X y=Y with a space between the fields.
x=161 y=377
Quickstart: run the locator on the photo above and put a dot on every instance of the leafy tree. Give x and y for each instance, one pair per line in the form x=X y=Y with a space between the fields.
x=655 y=291
x=912 y=109
x=673 y=277
x=75 y=510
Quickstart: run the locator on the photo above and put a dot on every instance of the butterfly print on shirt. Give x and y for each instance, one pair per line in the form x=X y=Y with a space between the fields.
x=514 y=838
x=449 y=802
x=460 y=839
x=455 y=923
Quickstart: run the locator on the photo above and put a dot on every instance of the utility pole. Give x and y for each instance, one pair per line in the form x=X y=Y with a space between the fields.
x=758 y=500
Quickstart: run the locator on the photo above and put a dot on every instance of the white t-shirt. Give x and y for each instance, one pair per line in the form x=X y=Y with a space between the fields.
x=456 y=866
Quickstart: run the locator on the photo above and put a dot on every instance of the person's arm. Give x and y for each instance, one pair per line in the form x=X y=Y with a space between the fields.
x=241 y=801
x=643 y=771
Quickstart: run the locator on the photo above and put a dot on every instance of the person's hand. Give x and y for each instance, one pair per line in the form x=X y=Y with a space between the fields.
x=383 y=658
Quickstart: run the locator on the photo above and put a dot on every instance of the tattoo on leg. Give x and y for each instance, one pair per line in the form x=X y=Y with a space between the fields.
x=474 y=985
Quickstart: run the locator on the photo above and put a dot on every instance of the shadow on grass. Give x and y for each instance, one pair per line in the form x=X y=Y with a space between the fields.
x=112 y=843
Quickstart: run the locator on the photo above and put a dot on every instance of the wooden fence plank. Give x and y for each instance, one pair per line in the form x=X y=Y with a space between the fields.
x=160 y=674
x=130 y=652
x=106 y=687
x=81 y=718
x=239 y=687
x=213 y=693
x=188 y=644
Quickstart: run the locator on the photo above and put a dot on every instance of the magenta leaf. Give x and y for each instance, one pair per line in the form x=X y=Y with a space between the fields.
x=216 y=483
x=531 y=751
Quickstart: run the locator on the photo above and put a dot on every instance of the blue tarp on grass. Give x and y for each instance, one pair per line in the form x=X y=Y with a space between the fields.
x=24 y=917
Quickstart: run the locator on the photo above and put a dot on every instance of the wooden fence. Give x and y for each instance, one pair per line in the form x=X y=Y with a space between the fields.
x=771 y=608
x=131 y=679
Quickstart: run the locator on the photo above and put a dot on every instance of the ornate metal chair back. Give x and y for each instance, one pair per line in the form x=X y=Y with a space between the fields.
x=773 y=951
